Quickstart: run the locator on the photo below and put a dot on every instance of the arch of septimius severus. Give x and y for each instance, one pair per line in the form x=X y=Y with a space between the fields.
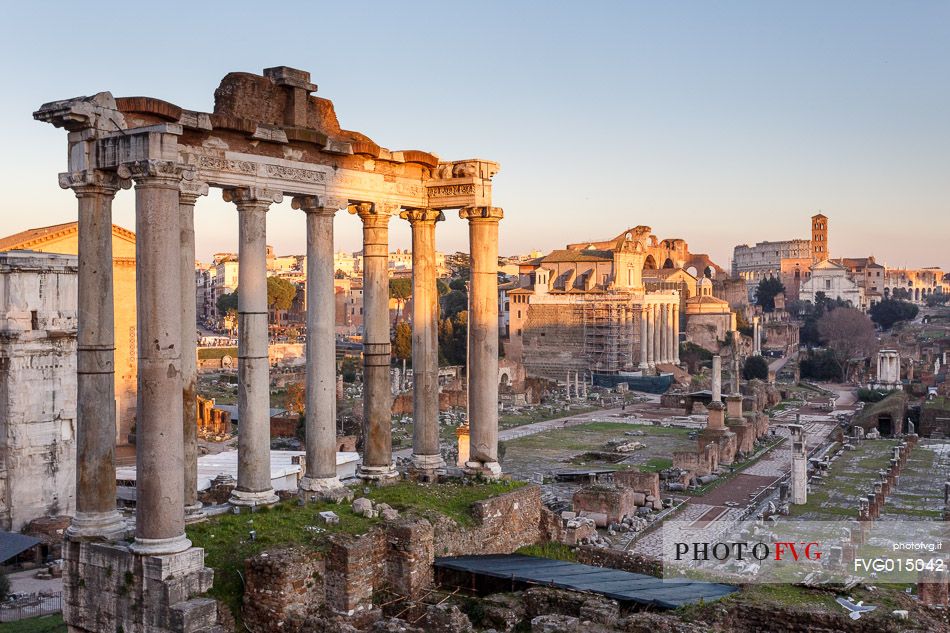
x=268 y=137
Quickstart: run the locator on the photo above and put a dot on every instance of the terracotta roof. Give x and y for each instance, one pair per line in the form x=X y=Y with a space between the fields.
x=32 y=237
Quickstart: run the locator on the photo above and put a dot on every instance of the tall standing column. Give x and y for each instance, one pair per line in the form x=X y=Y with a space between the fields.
x=426 y=455
x=651 y=331
x=254 y=477
x=320 y=479
x=657 y=337
x=664 y=333
x=377 y=397
x=96 y=515
x=676 y=333
x=644 y=329
x=159 y=441
x=483 y=339
x=669 y=333
x=190 y=191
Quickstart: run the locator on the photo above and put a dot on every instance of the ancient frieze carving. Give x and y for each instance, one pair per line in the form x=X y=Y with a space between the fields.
x=318 y=204
x=191 y=189
x=466 y=169
x=252 y=195
x=422 y=216
x=225 y=164
x=475 y=214
x=295 y=173
x=405 y=189
x=445 y=191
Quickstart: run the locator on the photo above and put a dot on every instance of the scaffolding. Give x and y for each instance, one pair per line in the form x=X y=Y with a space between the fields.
x=609 y=326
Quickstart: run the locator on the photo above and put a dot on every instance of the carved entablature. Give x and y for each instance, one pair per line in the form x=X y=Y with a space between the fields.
x=266 y=131
x=462 y=183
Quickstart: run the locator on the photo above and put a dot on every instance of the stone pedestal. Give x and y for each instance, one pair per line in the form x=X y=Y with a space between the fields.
x=107 y=587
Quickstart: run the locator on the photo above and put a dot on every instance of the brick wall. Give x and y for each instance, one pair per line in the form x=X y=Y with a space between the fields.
x=282 y=585
x=502 y=525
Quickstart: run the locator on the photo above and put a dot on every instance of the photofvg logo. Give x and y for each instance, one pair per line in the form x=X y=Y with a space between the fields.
x=789 y=551
x=746 y=550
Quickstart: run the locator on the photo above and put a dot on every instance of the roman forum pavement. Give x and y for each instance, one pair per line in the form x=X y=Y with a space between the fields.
x=268 y=137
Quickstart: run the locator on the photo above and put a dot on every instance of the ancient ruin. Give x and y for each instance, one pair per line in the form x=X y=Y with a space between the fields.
x=268 y=137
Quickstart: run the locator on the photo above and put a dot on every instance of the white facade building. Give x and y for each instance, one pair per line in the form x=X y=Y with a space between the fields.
x=835 y=282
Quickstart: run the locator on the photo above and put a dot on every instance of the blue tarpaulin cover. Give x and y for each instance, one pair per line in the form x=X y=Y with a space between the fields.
x=616 y=584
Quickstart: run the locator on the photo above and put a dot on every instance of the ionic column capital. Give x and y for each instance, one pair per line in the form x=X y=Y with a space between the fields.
x=252 y=196
x=320 y=205
x=422 y=216
x=93 y=182
x=373 y=213
x=191 y=190
x=482 y=214
x=154 y=173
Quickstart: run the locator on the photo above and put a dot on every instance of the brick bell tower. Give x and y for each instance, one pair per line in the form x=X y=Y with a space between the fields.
x=819 y=237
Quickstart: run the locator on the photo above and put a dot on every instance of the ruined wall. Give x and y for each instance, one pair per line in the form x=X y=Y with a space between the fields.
x=619 y=559
x=502 y=525
x=647 y=483
x=554 y=341
x=38 y=324
x=708 y=330
x=282 y=585
x=605 y=503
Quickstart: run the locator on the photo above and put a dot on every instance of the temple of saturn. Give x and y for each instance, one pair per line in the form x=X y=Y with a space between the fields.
x=268 y=137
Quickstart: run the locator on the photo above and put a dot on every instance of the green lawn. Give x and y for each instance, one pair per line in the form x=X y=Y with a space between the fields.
x=43 y=624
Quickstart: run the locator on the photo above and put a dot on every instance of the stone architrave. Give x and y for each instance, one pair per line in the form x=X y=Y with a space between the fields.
x=483 y=340
x=320 y=479
x=377 y=397
x=426 y=455
x=254 y=477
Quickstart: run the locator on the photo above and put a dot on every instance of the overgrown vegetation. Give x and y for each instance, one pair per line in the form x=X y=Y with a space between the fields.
x=216 y=353
x=873 y=395
x=42 y=624
x=552 y=550
x=821 y=366
x=755 y=367
x=889 y=312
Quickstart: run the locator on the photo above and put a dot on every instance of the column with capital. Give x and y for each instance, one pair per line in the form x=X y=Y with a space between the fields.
x=644 y=328
x=657 y=336
x=670 y=345
x=159 y=441
x=651 y=330
x=190 y=191
x=426 y=455
x=483 y=340
x=377 y=396
x=254 y=477
x=676 y=333
x=320 y=479
x=96 y=514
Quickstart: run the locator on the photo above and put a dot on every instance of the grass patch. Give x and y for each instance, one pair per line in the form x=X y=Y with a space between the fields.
x=554 y=551
x=450 y=499
x=216 y=353
x=656 y=464
x=42 y=624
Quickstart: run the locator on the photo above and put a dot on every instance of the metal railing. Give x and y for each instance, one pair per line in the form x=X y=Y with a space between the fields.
x=31 y=607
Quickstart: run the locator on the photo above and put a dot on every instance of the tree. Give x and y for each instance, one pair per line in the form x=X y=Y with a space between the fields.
x=707 y=272
x=228 y=302
x=400 y=289
x=848 y=333
x=454 y=302
x=458 y=284
x=765 y=293
x=743 y=325
x=280 y=295
x=442 y=287
x=453 y=343
x=402 y=341
x=821 y=366
x=937 y=299
x=295 y=398
x=889 y=311
x=755 y=367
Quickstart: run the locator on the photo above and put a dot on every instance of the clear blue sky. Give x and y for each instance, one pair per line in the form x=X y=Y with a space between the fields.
x=717 y=122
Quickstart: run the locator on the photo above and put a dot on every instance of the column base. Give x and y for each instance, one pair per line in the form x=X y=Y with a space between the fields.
x=323 y=489
x=247 y=499
x=195 y=514
x=377 y=473
x=488 y=470
x=109 y=526
x=427 y=462
x=159 y=546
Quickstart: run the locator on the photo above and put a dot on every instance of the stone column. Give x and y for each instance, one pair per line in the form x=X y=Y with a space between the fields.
x=717 y=378
x=668 y=331
x=96 y=515
x=190 y=190
x=644 y=328
x=676 y=333
x=377 y=397
x=254 y=483
x=159 y=441
x=483 y=339
x=657 y=336
x=426 y=455
x=320 y=478
x=651 y=330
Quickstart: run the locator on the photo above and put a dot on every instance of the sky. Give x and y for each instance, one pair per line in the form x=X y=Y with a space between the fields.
x=720 y=123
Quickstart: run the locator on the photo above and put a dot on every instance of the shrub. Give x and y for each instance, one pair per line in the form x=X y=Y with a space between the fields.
x=755 y=367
